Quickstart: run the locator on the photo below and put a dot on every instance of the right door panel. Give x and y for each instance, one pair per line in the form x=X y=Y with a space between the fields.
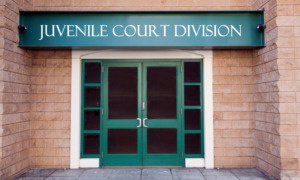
x=161 y=114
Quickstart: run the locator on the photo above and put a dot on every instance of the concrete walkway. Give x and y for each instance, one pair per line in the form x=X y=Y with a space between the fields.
x=143 y=174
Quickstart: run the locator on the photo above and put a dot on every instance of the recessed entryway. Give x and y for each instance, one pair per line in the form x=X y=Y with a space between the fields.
x=147 y=110
x=149 y=113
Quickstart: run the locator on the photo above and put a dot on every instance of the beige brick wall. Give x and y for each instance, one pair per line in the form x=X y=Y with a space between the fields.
x=14 y=92
x=233 y=108
x=277 y=82
x=288 y=62
x=266 y=96
x=50 y=109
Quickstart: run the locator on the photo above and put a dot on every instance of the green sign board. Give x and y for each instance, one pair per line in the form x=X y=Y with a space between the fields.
x=209 y=29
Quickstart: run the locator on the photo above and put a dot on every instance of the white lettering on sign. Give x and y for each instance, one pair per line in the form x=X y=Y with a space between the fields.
x=142 y=31
x=114 y=31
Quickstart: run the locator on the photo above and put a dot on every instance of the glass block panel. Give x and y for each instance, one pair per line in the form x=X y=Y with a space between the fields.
x=192 y=119
x=92 y=120
x=161 y=92
x=192 y=144
x=122 y=93
x=91 y=144
x=92 y=96
x=192 y=72
x=161 y=141
x=192 y=95
x=122 y=141
x=92 y=72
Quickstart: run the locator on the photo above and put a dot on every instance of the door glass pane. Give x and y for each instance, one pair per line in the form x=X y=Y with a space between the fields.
x=161 y=141
x=192 y=144
x=91 y=144
x=192 y=72
x=91 y=119
x=122 y=141
x=192 y=95
x=92 y=72
x=192 y=119
x=92 y=96
x=161 y=92
x=122 y=93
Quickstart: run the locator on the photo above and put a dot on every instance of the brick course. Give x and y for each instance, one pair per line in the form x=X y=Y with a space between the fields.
x=289 y=106
x=279 y=102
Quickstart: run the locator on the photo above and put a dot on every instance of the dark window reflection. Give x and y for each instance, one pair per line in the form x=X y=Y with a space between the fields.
x=161 y=92
x=92 y=96
x=161 y=141
x=122 y=93
x=192 y=72
x=91 y=144
x=122 y=141
x=92 y=119
x=192 y=119
x=92 y=72
x=192 y=95
x=192 y=144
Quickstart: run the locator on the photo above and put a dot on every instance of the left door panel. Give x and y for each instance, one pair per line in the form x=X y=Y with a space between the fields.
x=122 y=132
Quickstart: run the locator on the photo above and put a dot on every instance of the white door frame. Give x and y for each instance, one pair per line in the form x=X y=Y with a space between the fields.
x=78 y=55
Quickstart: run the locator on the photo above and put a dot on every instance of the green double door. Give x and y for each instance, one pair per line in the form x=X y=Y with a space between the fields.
x=142 y=114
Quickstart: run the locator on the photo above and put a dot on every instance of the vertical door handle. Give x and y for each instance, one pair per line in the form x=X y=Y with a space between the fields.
x=140 y=122
x=144 y=122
